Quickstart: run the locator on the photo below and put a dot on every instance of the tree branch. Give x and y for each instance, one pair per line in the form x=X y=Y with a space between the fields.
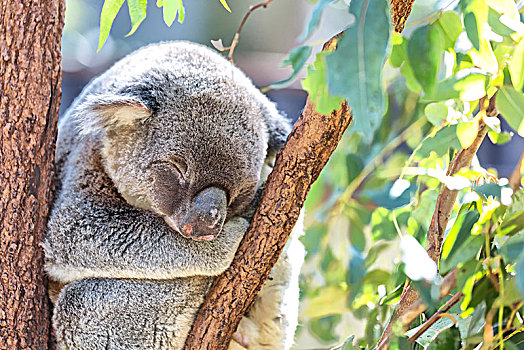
x=444 y=206
x=309 y=146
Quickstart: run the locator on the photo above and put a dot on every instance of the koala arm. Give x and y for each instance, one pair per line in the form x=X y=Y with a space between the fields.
x=88 y=240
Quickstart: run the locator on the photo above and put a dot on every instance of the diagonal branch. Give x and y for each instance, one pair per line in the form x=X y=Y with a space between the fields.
x=309 y=146
x=444 y=206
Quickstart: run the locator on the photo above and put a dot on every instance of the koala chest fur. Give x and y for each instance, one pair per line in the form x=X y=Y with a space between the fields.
x=159 y=162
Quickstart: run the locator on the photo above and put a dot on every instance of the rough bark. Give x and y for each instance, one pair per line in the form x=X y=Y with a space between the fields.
x=309 y=146
x=30 y=80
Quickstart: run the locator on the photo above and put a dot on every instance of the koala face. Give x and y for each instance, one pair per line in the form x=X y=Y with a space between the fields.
x=195 y=165
x=184 y=134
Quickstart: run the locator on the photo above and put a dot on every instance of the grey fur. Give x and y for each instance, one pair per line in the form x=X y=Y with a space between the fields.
x=140 y=143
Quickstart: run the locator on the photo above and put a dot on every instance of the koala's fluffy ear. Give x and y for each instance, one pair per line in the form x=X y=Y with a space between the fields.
x=278 y=127
x=100 y=112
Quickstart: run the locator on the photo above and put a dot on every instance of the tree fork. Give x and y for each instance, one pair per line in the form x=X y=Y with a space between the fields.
x=30 y=37
x=312 y=141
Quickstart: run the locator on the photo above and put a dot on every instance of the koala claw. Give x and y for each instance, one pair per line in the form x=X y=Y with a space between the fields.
x=241 y=339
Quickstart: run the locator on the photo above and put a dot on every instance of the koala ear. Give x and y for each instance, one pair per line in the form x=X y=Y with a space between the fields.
x=278 y=127
x=99 y=112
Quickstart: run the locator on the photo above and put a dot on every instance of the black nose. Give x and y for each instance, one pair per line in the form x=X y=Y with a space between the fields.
x=206 y=216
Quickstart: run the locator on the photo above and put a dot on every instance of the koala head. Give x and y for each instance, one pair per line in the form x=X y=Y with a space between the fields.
x=193 y=156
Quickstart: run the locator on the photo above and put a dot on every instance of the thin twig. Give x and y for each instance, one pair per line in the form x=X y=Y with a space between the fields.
x=234 y=43
x=516 y=174
x=436 y=316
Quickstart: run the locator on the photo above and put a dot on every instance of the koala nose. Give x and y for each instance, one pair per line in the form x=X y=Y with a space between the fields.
x=205 y=218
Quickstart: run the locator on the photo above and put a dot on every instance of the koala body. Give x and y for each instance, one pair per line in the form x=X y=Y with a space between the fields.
x=159 y=162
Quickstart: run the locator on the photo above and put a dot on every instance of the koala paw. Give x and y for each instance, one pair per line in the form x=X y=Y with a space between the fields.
x=241 y=339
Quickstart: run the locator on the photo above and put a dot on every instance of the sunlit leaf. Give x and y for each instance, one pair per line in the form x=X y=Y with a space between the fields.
x=347 y=345
x=360 y=54
x=315 y=84
x=297 y=58
x=516 y=66
x=137 y=13
x=226 y=6
x=398 y=51
x=441 y=142
x=467 y=132
x=170 y=10
x=436 y=113
x=510 y=103
x=500 y=138
x=450 y=27
x=107 y=17
x=424 y=51
x=314 y=19
x=330 y=301
x=417 y=263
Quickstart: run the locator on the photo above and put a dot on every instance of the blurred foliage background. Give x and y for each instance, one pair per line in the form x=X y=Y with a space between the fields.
x=418 y=99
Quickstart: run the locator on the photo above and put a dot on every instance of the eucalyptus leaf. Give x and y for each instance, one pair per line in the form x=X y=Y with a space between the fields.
x=107 y=17
x=513 y=247
x=315 y=84
x=424 y=50
x=450 y=27
x=510 y=103
x=170 y=10
x=436 y=113
x=516 y=66
x=297 y=59
x=314 y=19
x=360 y=56
x=444 y=139
x=347 y=345
x=137 y=13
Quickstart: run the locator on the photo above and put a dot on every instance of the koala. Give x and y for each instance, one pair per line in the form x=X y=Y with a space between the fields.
x=159 y=164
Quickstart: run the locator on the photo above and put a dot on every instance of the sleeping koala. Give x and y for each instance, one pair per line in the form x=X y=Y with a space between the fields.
x=159 y=163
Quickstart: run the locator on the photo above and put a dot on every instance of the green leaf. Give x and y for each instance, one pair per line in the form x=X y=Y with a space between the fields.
x=471 y=87
x=516 y=66
x=519 y=270
x=440 y=143
x=137 y=13
x=513 y=248
x=360 y=55
x=226 y=6
x=314 y=19
x=411 y=80
x=297 y=58
x=170 y=10
x=432 y=333
x=510 y=103
x=315 y=85
x=459 y=232
x=436 y=113
x=424 y=50
x=330 y=301
x=107 y=17
x=389 y=197
x=489 y=189
x=499 y=138
x=347 y=345
x=472 y=29
x=459 y=246
x=467 y=132
x=398 y=51
x=450 y=27
x=512 y=224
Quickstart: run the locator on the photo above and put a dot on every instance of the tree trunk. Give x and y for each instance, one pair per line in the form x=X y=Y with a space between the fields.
x=309 y=146
x=30 y=73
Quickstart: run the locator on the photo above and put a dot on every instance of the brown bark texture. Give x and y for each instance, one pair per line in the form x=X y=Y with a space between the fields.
x=309 y=146
x=30 y=80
